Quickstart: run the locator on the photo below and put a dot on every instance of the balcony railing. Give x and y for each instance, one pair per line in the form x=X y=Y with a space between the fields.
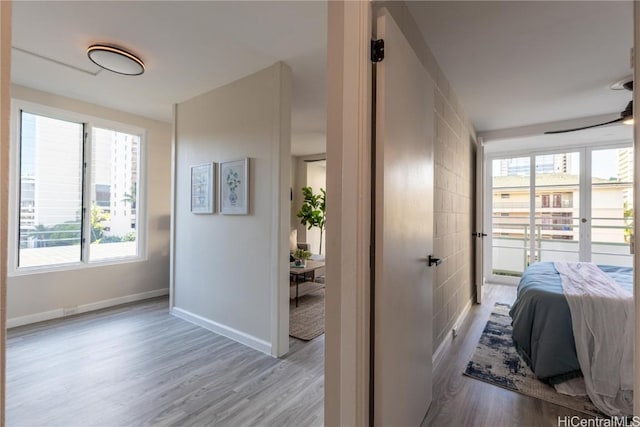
x=565 y=204
x=557 y=242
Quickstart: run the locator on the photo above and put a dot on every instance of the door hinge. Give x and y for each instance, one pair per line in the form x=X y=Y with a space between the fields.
x=377 y=50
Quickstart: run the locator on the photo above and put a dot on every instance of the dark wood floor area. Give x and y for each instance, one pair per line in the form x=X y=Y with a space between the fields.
x=138 y=365
x=464 y=401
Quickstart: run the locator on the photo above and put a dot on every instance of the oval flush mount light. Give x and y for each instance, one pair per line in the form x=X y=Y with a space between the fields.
x=115 y=59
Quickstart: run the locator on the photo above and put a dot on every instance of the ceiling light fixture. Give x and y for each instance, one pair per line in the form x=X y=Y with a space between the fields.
x=620 y=84
x=627 y=114
x=115 y=59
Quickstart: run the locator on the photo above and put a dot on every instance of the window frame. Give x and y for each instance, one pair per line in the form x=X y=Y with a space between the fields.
x=89 y=122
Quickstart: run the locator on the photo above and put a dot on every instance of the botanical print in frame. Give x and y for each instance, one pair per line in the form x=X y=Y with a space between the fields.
x=202 y=188
x=234 y=187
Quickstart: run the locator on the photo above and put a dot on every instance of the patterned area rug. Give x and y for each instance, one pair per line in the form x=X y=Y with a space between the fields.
x=497 y=362
x=307 y=320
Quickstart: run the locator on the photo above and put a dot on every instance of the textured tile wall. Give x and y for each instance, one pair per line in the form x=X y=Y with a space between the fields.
x=454 y=206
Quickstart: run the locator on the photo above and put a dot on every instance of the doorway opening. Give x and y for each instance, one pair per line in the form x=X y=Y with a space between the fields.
x=307 y=246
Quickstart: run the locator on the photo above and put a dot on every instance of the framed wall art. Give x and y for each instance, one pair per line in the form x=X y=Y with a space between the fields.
x=234 y=187
x=202 y=188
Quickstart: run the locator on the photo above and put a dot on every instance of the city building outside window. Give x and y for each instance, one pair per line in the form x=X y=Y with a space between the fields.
x=72 y=175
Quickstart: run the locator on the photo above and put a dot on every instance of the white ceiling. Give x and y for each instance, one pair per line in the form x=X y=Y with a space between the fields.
x=518 y=63
x=511 y=63
x=619 y=133
x=188 y=48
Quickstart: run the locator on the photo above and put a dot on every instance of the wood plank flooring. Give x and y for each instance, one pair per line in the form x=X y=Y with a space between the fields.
x=464 y=401
x=138 y=365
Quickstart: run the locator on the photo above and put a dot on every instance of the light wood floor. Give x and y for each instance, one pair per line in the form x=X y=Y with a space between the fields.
x=138 y=365
x=462 y=401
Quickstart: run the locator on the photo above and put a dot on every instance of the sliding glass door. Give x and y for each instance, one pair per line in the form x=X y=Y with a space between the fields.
x=612 y=206
x=573 y=205
x=557 y=221
x=510 y=216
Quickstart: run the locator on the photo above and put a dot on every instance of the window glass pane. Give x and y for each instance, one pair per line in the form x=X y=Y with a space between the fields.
x=114 y=195
x=50 y=191
x=510 y=215
x=557 y=207
x=612 y=206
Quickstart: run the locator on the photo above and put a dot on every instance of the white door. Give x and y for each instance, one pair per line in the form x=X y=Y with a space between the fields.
x=403 y=233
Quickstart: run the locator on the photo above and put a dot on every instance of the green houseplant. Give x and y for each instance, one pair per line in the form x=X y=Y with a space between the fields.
x=301 y=256
x=313 y=211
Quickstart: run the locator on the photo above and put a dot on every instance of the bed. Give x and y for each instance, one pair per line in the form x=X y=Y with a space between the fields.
x=542 y=328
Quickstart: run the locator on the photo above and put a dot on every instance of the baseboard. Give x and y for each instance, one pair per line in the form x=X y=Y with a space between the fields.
x=444 y=345
x=502 y=283
x=84 y=308
x=218 y=328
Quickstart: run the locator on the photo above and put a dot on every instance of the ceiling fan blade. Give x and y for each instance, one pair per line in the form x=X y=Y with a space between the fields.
x=584 y=127
x=315 y=160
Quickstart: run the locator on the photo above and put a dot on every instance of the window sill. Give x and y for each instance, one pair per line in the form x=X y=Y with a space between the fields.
x=111 y=262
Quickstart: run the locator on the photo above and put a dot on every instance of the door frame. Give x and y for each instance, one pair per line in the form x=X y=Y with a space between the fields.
x=636 y=208
x=480 y=241
x=585 y=151
x=347 y=300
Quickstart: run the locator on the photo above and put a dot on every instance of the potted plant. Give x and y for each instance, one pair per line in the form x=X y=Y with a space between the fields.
x=301 y=257
x=313 y=211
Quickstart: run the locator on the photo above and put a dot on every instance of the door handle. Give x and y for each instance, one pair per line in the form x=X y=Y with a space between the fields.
x=434 y=261
x=479 y=235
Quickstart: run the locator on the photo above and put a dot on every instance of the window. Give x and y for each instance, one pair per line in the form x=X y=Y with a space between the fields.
x=50 y=191
x=112 y=234
x=68 y=191
x=545 y=201
x=103 y=196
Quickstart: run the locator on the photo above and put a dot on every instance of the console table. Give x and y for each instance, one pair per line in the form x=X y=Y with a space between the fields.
x=298 y=275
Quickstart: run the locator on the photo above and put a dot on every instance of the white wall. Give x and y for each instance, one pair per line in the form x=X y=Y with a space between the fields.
x=316 y=179
x=41 y=296
x=299 y=179
x=231 y=272
x=294 y=184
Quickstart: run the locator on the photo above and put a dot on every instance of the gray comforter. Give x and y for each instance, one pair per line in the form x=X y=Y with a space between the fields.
x=542 y=329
